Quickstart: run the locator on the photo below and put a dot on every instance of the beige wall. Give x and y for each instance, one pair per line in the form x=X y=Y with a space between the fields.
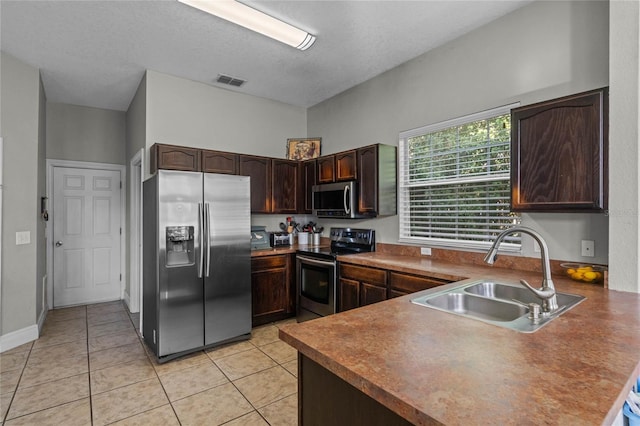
x=21 y=127
x=41 y=251
x=542 y=51
x=135 y=141
x=624 y=177
x=184 y=112
x=136 y=121
x=85 y=134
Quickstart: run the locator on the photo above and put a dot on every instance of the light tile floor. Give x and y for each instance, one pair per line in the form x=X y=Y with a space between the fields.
x=90 y=367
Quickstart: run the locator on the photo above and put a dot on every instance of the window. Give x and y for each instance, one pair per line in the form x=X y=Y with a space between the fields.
x=454 y=188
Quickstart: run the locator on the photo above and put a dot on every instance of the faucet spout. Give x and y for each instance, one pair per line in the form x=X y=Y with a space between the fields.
x=547 y=292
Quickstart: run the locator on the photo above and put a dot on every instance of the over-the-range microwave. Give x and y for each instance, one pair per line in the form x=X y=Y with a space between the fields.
x=336 y=200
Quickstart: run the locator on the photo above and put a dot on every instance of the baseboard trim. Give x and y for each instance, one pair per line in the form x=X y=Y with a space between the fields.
x=43 y=316
x=126 y=299
x=19 y=337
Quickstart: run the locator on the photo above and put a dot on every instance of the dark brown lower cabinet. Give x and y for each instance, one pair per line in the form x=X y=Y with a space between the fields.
x=326 y=399
x=401 y=284
x=360 y=286
x=272 y=289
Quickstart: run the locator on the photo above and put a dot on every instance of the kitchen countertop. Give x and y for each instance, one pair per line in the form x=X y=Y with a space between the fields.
x=428 y=365
x=270 y=251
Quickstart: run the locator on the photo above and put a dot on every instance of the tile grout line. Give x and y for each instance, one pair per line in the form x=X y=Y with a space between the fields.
x=86 y=318
x=15 y=391
x=20 y=379
x=156 y=373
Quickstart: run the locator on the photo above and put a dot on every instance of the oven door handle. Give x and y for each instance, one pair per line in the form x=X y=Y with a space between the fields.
x=315 y=261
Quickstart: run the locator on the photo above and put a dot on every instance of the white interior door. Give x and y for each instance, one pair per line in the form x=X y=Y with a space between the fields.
x=86 y=236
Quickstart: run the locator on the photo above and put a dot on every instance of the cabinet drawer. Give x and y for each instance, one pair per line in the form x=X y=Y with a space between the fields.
x=368 y=275
x=268 y=262
x=411 y=283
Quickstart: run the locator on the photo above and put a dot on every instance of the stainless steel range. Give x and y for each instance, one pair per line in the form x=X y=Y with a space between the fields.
x=316 y=270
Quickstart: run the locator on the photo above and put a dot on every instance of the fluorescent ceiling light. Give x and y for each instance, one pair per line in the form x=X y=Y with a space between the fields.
x=255 y=20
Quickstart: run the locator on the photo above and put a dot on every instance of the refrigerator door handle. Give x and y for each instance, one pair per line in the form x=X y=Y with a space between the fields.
x=208 y=221
x=200 y=240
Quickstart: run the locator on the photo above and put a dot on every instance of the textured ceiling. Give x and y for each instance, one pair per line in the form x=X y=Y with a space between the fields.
x=94 y=53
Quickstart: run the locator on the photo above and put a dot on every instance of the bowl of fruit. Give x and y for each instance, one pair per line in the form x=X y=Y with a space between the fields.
x=584 y=273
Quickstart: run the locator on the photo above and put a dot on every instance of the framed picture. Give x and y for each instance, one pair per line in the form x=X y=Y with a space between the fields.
x=303 y=149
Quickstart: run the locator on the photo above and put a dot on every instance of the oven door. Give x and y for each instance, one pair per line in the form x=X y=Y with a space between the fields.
x=316 y=283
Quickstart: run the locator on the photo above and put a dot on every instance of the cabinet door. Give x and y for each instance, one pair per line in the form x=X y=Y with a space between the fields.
x=370 y=293
x=368 y=180
x=559 y=154
x=348 y=295
x=346 y=165
x=396 y=293
x=406 y=284
x=326 y=169
x=170 y=157
x=270 y=289
x=285 y=186
x=259 y=169
x=219 y=162
x=308 y=178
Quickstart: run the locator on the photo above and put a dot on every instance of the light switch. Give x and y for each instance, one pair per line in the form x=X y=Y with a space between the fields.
x=23 y=237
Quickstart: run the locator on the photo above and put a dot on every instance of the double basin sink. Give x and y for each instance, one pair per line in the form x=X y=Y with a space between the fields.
x=496 y=303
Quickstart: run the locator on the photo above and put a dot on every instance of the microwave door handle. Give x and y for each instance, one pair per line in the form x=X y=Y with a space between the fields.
x=347 y=207
x=200 y=240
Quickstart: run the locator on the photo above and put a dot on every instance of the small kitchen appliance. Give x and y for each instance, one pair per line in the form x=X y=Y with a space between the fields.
x=259 y=238
x=316 y=270
x=279 y=239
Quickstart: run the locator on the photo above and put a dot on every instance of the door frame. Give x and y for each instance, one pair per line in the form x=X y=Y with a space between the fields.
x=51 y=165
x=134 y=298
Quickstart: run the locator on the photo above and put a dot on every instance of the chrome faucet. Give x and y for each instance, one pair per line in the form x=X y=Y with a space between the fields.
x=547 y=292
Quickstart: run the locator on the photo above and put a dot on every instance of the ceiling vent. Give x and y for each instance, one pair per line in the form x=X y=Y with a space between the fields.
x=231 y=81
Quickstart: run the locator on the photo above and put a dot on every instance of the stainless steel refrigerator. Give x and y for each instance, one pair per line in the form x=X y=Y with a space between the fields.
x=196 y=261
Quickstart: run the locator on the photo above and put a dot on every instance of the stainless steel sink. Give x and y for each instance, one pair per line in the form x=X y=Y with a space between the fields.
x=510 y=292
x=493 y=302
x=478 y=307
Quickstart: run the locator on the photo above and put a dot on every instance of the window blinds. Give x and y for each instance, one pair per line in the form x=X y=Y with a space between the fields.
x=454 y=187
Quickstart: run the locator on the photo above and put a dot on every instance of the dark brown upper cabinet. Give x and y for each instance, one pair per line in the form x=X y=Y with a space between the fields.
x=219 y=162
x=259 y=169
x=170 y=157
x=285 y=186
x=346 y=166
x=559 y=154
x=326 y=169
x=308 y=178
x=337 y=167
x=377 y=180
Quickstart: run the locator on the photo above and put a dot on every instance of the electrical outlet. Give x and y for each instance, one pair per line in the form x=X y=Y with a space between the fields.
x=425 y=251
x=23 y=237
x=588 y=248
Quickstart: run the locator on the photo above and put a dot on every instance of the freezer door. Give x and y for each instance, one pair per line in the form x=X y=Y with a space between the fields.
x=227 y=285
x=180 y=311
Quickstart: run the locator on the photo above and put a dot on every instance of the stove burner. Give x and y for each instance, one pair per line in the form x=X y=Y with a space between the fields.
x=344 y=241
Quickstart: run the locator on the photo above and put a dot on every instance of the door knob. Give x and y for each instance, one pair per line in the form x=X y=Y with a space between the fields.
x=58 y=243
